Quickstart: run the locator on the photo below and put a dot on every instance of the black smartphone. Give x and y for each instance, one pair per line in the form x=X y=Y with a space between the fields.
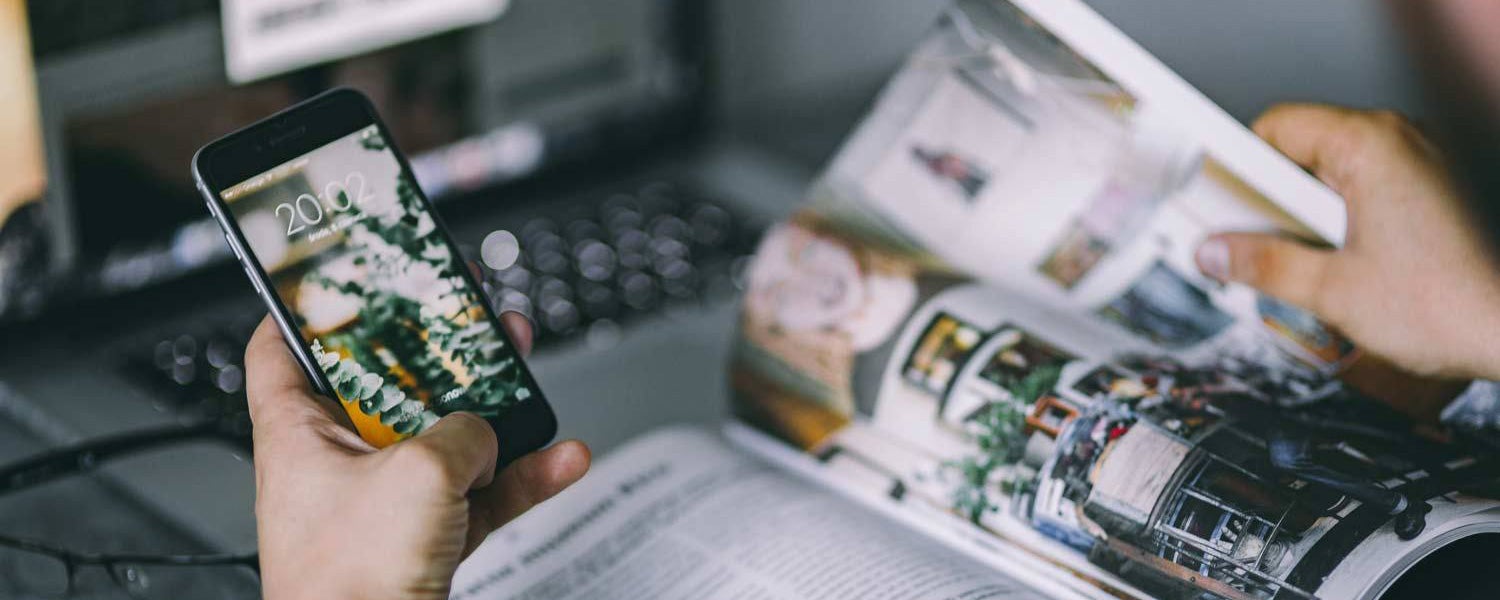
x=365 y=282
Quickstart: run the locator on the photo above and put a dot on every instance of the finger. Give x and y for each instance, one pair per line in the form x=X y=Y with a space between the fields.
x=275 y=384
x=524 y=484
x=1421 y=399
x=519 y=329
x=283 y=405
x=459 y=450
x=1337 y=144
x=1286 y=269
x=271 y=369
x=1305 y=132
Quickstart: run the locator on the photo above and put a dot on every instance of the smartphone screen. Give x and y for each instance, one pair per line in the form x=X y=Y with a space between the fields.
x=374 y=288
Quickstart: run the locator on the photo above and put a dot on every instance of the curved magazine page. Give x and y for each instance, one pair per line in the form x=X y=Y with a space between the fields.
x=1380 y=560
x=990 y=314
x=679 y=514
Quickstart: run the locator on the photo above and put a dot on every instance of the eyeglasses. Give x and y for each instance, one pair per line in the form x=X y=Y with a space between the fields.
x=33 y=569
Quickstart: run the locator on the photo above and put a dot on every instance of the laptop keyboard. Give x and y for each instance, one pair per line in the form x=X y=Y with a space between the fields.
x=632 y=255
x=584 y=273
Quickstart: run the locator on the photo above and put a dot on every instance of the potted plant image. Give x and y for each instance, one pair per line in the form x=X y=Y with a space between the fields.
x=417 y=344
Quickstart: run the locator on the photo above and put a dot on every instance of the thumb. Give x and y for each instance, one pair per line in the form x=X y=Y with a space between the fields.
x=272 y=374
x=1277 y=266
x=283 y=405
x=460 y=450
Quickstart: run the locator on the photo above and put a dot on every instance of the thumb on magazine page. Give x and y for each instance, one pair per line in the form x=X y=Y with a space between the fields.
x=1288 y=269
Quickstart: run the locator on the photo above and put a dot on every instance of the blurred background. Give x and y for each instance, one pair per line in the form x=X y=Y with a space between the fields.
x=784 y=85
x=628 y=152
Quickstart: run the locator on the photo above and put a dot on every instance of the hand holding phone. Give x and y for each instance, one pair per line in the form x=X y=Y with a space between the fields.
x=338 y=519
x=363 y=280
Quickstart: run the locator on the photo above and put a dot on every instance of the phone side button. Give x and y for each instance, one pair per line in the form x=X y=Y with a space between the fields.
x=233 y=248
x=254 y=281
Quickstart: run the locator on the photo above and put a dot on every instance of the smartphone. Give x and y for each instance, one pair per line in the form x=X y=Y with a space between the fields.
x=367 y=285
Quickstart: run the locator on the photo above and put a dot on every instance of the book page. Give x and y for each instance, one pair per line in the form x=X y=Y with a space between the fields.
x=1005 y=151
x=989 y=316
x=678 y=514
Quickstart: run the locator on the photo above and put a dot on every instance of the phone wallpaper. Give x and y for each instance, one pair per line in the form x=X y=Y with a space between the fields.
x=371 y=285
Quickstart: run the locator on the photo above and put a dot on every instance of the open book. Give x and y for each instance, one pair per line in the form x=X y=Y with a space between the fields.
x=982 y=364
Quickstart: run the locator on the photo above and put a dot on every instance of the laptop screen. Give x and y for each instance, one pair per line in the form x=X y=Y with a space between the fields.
x=477 y=92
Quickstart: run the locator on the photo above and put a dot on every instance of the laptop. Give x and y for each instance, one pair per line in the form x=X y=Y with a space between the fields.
x=576 y=130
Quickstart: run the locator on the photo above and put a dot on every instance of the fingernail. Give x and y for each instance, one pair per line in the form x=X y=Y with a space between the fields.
x=1213 y=259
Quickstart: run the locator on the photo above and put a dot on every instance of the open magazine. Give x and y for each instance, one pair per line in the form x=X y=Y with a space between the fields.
x=982 y=364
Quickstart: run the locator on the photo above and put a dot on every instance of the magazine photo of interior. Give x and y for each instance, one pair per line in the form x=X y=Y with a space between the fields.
x=1020 y=368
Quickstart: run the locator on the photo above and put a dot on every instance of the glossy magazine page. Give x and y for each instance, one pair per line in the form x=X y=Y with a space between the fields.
x=990 y=315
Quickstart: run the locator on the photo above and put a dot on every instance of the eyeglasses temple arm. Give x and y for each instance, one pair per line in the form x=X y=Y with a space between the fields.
x=87 y=456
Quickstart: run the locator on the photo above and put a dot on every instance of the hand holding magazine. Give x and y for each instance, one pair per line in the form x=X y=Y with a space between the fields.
x=982 y=364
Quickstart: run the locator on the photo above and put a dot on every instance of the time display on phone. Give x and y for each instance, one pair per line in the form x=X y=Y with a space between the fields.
x=339 y=196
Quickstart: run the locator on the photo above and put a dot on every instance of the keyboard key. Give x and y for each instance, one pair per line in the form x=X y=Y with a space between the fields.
x=638 y=290
x=670 y=227
x=184 y=350
x=712 y=226
x=560 y=316
x=550 y=262
x=552 y=288
x=598 y=300
x=512 y=300
x=583 y=230
x=221 y=352
x=596 y=261
x=668 y=248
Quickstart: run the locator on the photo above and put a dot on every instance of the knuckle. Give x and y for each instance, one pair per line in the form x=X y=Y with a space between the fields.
x=1402 y=134
x=469 y=421
x=421 y=460
x=472 y=428
x=1381 y=130
x=1364 y=132
x=1272 y=116
x=1360 y=145
x=1277 y=111
x=1390 y=119
x=1266 y=117
x=1293 y=112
